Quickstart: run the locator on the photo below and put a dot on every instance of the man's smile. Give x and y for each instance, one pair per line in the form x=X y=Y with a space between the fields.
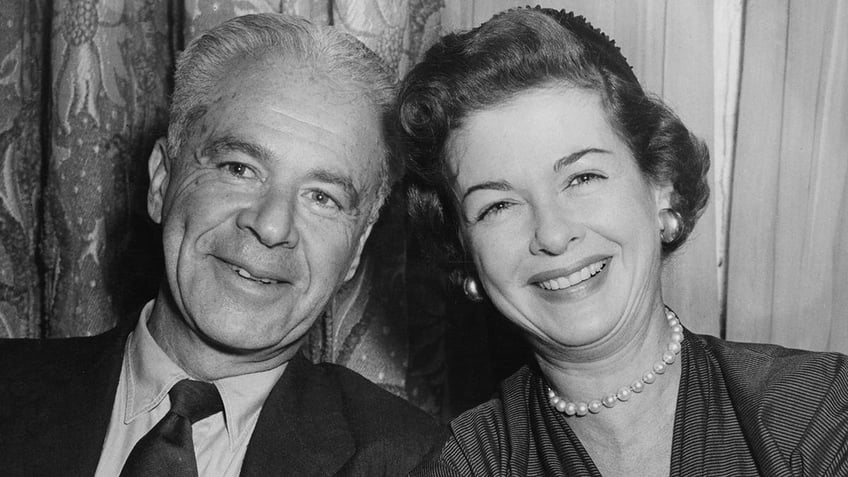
x=245 y=274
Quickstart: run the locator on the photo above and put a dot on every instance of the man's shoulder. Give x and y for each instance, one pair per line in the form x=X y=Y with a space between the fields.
x=390 y=435
x=23 y=356
x=55 y=391
x=34 y=370
x=372 y=406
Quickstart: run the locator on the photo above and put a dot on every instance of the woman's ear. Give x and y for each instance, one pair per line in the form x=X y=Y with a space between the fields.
x=158 y=166
x=663 y=195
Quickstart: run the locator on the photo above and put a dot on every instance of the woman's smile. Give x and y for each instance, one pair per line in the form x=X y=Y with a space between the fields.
x=567 y=280
x=564 y=233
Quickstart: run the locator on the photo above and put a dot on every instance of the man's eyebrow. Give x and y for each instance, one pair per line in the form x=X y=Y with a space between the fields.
x=341 y=180
x=229 y=143
x=575 y=156
x=489 y=185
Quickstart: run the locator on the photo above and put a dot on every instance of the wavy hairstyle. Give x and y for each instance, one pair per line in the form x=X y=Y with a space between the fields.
x=335 y=55
x=520 y=50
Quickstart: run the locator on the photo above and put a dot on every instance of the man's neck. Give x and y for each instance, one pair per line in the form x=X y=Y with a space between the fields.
x=199 y=358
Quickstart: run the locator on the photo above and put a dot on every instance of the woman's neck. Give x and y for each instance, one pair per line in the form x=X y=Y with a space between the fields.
x=592 y=371
x=633 y=438
x=615 y=437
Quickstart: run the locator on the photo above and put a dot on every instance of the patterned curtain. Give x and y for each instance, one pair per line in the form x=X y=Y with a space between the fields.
x=84 y=88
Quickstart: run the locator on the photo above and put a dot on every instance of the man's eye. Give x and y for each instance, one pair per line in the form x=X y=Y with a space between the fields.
x=237 y=169
x=324 y=199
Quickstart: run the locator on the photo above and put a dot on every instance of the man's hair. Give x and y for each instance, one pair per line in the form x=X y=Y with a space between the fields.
x=340 y=58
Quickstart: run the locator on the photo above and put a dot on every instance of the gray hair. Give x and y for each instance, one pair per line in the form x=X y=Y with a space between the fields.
x=340 y=57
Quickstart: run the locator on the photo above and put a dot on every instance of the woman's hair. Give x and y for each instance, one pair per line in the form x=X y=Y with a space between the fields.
x=517 y=51
x=336 y=56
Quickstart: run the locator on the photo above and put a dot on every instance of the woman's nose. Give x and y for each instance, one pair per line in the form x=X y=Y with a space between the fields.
x=271 y=219
x=554 y=232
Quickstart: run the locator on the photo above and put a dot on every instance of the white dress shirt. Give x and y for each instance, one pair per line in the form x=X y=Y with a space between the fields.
x=147 y=374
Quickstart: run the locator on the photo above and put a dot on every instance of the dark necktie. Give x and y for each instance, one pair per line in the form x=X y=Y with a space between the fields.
x=168 y=448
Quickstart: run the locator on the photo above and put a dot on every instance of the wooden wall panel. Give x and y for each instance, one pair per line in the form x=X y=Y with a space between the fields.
x=728 y=34
x=690 y=281
x=639 y=30
x=754 y=193
x=787 y=255
x=799 y=264
x=835 y=150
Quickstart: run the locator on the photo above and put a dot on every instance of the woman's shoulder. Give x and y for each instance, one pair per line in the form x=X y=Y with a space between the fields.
x=789 y=400
x=762 y=366
x=491 y=417
x=482 y=437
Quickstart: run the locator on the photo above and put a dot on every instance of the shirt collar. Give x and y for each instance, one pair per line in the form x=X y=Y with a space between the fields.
x=243 y=398
x=151 y=374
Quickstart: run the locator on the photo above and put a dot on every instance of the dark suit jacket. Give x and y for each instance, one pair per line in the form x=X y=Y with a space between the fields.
x=56 y=399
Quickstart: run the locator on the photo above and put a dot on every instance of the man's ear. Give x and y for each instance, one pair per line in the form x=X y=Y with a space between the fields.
x=158 y=166
x=360 y=246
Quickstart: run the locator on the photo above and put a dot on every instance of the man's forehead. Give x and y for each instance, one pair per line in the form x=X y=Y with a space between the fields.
x=295 y=74
x=299 y=91
x=279 y=108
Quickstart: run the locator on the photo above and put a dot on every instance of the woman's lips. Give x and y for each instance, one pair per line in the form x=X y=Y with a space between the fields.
x=569 y=279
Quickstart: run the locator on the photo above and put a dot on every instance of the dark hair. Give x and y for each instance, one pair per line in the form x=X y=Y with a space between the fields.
x=516 y=51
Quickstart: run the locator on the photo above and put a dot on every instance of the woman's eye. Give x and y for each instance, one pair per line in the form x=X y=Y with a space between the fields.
x=493 y=210
x=584 y=178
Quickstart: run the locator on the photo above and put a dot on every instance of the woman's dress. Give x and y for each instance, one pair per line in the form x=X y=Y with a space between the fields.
x=742 y=409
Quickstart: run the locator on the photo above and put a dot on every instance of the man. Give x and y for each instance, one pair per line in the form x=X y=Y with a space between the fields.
x=272 y=177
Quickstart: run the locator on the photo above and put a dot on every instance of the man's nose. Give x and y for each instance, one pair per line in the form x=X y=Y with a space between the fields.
x=271 y=218
x=554 y=231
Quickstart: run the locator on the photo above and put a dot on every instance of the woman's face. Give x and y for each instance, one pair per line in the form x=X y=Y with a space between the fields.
x=562 y=226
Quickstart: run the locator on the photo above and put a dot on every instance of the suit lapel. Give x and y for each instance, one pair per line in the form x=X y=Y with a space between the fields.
x=78 y=406
x=301 y=429
x=101 y=386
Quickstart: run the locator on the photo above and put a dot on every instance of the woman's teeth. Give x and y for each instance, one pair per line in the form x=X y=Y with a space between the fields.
x=579 y=276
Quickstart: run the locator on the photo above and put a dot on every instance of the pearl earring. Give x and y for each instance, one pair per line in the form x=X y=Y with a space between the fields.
x=472 y=289
x=672 y=225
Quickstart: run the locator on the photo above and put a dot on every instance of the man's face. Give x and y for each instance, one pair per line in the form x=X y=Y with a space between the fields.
x=266 y=210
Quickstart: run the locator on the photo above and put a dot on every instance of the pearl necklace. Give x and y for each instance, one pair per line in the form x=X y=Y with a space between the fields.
x=624 y=393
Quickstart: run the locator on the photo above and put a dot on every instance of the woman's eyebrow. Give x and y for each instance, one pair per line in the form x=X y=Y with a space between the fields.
x=575 y=156
x=490 y=185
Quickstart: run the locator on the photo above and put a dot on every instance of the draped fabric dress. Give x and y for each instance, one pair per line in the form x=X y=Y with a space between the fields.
x=742 y=410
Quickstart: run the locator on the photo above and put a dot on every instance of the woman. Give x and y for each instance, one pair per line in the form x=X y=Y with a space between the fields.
x=534 y=149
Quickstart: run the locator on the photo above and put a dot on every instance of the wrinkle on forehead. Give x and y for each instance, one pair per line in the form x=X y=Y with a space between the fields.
x=304 y=106
x=302 y=124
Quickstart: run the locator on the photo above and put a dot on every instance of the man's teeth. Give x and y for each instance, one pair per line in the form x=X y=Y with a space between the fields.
x=573 y=279
x=244 y=274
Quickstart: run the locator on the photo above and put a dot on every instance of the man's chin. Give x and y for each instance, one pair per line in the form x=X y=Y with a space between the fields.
x=238 y=342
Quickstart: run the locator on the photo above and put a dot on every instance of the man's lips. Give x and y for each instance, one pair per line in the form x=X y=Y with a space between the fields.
x=245 y=274
x=565 y=278
x=255 y=274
